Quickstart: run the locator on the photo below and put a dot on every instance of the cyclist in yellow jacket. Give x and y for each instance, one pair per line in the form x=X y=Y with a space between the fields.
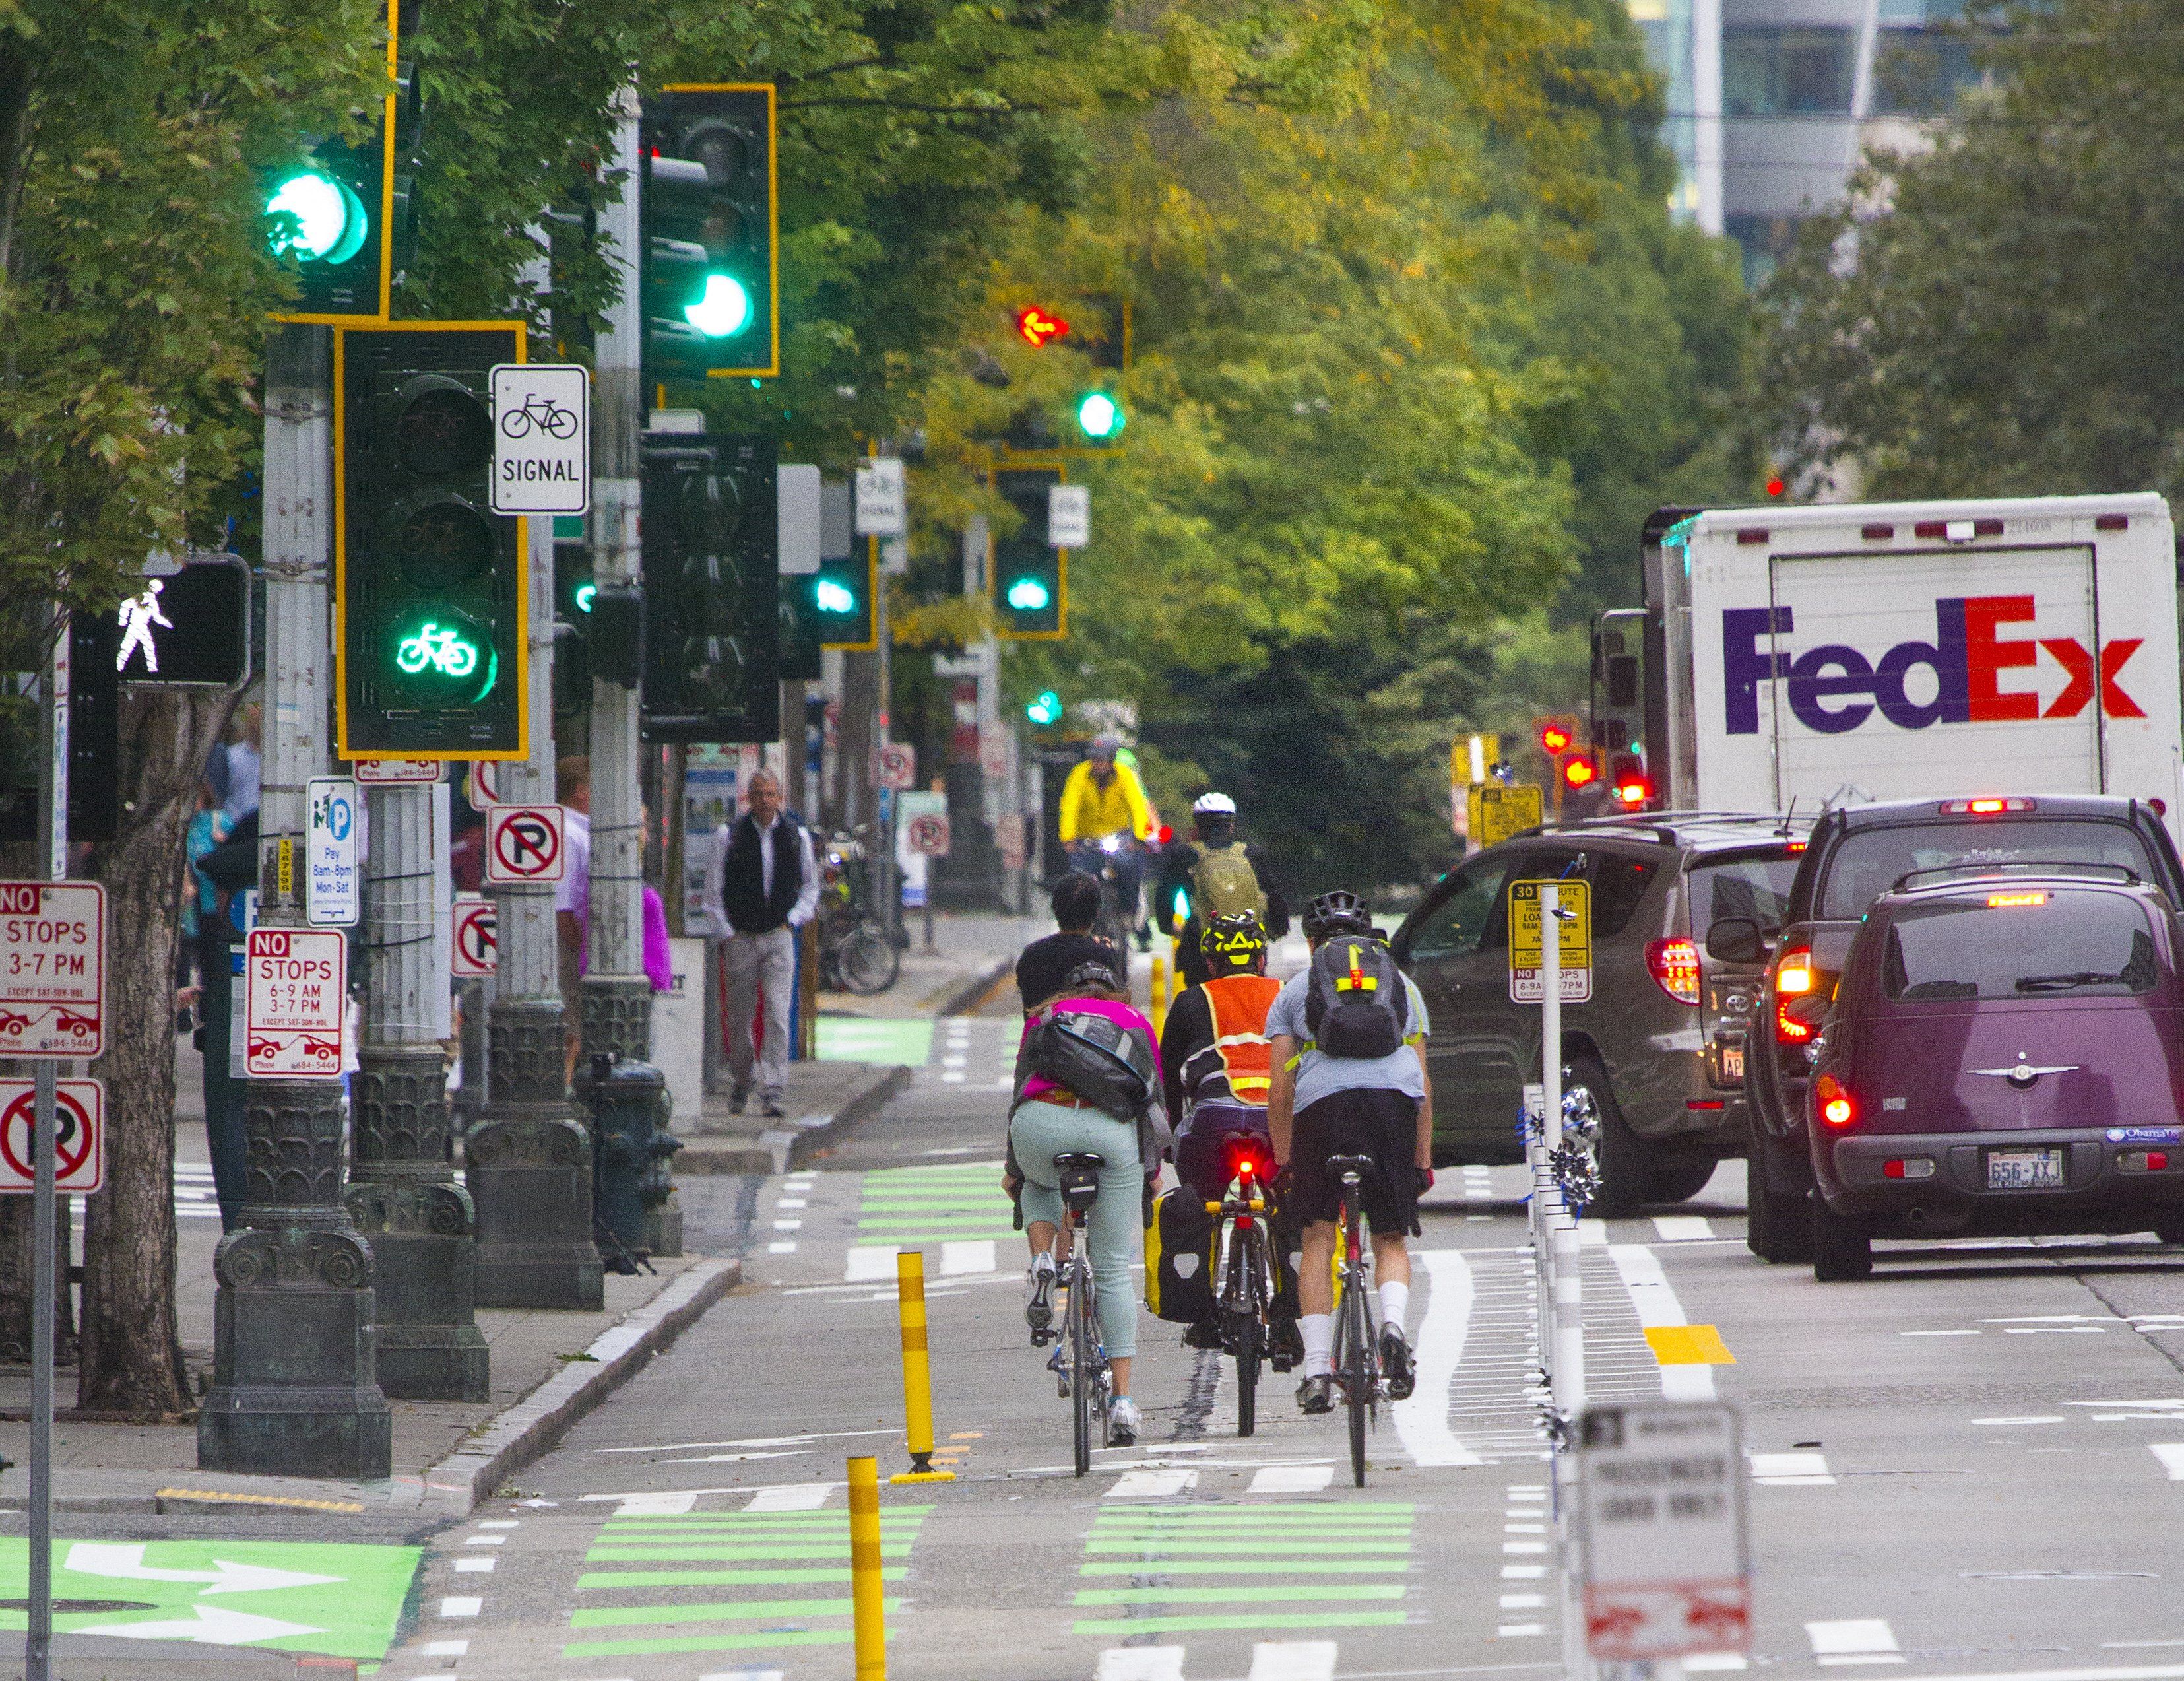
x=1104 y=821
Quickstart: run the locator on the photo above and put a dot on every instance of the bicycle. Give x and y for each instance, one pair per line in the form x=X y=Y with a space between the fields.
x=1244 y=1271
x=1356 y=1341
x=1102 y=860
x=1079 y=1363
x=855 y=954
x=543 y=412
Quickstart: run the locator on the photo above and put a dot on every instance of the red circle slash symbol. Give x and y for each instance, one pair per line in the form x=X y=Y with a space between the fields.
x=72 y=1142
x=527 y=844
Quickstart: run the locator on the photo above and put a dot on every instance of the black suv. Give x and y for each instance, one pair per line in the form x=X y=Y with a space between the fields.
x=1659 y=1050
x=1854 y=855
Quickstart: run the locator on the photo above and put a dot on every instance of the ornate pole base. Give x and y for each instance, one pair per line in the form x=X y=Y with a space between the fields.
x=529 y=1170
x=295 y=1392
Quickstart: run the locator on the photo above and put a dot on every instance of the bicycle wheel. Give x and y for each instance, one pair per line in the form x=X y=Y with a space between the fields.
x=1357 y=1370
x=868 y=960
x=1251 y=1331
x=1080 y=1373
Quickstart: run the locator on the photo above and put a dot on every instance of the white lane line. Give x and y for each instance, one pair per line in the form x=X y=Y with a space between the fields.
x=1293 y=1660
x=654 y=1505
x=782 y=1246
x=444 y=1649
x=741 y=1675
x=2171 y=1455
x=1717 y=1660
x=792 y=1497
x=461 y=1605
x=485 y=1540
x=1853 y=1640
x=1519 y=1630
x=1152 y=1485
x=967 y=1255
x=481 y=1566
x=953 y=1076
x=1523 y=1573
x=788 y=1226
x=792 y=1203
x=1936 y=1333
x=1141 y=1664
x=1654 y=1301
x=868 y=1261
x=1682 y=1228
x=1792 y=1470
x=1524 y=1601
x=1423 y=1420
x=2027 y=1418
x=1291 y=1479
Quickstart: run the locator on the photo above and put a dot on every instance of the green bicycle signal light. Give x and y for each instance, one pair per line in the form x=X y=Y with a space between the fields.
x=1029 y=595
x=1099 y=416
x=723 y=310
x=833 y=597
x=316 y=217
x=1045 y=709
x=444 y=658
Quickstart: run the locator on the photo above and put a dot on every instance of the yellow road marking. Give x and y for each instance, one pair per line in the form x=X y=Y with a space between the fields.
x=1688 y=1345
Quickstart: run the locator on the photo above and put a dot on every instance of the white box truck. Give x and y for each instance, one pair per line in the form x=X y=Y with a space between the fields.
x=1832 y=653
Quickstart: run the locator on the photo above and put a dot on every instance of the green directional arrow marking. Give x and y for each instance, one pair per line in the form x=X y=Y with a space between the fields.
x=342 y=1601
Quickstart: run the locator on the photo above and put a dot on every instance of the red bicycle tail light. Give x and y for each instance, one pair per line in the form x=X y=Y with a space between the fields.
x=1246 y=1159
x=1675 y=966
x=1833 y=1102
x=1793 y=979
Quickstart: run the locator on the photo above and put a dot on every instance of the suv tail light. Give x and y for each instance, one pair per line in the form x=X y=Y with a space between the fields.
x=1832 y=1101
x=1986 y=807
x=1675 y=966
x=1793 y=979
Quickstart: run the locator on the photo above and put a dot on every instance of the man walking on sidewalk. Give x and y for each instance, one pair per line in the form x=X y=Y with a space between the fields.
x=762 y=883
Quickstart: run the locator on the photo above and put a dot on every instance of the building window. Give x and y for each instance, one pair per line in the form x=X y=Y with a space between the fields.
x=1768 y=72
x=1764 y=242
x=1917 y=72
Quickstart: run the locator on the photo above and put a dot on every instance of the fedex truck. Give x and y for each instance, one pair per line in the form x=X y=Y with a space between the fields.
x=1820 y=655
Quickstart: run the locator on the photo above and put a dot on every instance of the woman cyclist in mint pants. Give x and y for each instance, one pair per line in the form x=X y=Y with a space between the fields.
x=1050 y=1120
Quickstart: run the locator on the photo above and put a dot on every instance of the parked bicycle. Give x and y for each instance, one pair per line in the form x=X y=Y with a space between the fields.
x=1357 y=1340
x=1243 y=1270
x=855 y=954
x=1079 y=1362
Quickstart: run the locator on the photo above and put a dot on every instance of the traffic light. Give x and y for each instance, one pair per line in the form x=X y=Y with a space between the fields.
x=1038 y=326
x=94 y=801
x=189 y=628
x=574 y=593
x=343 y=217
x=1030 y=575
x=712 y=614
x=707 y=207
x=1555 y=738
x=1578 y=773
x=841 y=593
x=1099 y=416
x=430 y=642
x=1044 y=708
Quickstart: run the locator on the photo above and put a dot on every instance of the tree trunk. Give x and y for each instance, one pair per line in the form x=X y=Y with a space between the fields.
x=130 y=1359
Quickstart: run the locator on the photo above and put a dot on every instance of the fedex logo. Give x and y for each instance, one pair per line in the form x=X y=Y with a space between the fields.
x=1834 y=688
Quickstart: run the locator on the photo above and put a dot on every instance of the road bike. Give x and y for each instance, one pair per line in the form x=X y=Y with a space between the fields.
x=1243 y=1270
x=1357 y=1340
x=1104 y=860
x=1079 y=1362
x=855 y=954
x=541 y=411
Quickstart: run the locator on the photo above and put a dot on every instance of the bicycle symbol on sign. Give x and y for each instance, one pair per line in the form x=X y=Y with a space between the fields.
x=443 y=650
x=539 y=411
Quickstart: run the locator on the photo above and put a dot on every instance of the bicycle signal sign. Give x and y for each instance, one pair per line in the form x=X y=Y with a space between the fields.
x=523 y=845
x=542 y=438
x=79 y=1136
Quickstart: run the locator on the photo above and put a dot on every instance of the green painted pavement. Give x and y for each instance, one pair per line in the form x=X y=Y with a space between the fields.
x=718 y=1643
x=700 y=1554
x=1192 y=1566
x=910 y=1205
x=874 y=1039
x=705 y=1579
x=1109 y=1626
x=715 y=1611
x=1162 y=1545
x=352 y=1613
x=1287 y=1593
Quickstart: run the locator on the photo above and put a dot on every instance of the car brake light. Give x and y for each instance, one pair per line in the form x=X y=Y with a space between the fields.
x=1675 y=966
x=1833 y=1102
x=1986 y=807
x=1634 y=792
x=1999 y=902
x=1795 y=847
x=1793 y=979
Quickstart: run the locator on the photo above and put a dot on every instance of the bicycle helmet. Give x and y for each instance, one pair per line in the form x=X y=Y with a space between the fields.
x=1213 y=805
x=1092 y=972
x=1339 y=912
x=1234 y=944
x=1105 y=746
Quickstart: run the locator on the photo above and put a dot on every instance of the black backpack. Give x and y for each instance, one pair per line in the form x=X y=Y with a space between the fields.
x=1356 y=1004
x=1100 y=1061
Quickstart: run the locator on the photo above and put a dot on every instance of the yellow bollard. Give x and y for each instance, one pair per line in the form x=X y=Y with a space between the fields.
x=867 y=1586
x=916 y=1371
x=1159 y=1011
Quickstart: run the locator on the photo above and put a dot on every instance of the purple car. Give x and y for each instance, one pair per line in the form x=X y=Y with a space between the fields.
x=2003 y=1056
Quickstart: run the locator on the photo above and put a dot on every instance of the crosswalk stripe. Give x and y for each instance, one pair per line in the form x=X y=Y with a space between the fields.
x=796 y=1497
x=1291 y=1479
x=1152 y=1484
x=1141 y=1664
x=868 y=1262
x=970 y=1255
x=1293 y=1660
x=654 y=1505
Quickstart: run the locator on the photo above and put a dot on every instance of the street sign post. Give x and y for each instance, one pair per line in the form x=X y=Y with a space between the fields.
x=1496 y=812
x=524 y=844
x=395 y=773
x=1527 y=956
x=53 y=968
x=542 y=438
x=296 y=989
x=1660 y=1531
x=332 y=883
x=477 y=936
x=79 y=1136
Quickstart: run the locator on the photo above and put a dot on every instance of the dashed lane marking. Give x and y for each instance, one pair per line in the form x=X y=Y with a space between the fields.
x=1293 y=1660
x=1291 y=1479
x=963 y=1256
x=1854 y=1640
x=1682 y=1228
x=2171 y=1455
x=1687 y=1366
x=1152 y=1485
x=1422 y=1421
x=1792 y=1470
x=1141 y=1664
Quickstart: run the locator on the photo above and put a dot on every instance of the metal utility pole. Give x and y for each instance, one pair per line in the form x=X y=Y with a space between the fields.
x=529 y=1163
x=295 y=1390
x=617 y=1019
x=403 y=1193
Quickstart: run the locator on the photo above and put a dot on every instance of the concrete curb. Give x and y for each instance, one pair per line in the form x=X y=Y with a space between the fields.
x=790 y=1145
x=527 y=1430
x=972 y=990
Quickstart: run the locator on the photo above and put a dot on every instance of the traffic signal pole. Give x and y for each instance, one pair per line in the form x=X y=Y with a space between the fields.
x=295 y=1390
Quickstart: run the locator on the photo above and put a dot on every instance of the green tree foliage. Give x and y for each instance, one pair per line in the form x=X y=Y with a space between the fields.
x=1997 y=317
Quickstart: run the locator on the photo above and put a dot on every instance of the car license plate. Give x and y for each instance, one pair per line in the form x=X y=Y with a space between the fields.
x=2025 y=1170
x=1732 y=1064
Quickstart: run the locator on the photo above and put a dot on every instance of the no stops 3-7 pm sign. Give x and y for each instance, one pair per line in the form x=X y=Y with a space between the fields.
x=79 y=1136
x=53 y=968
x=523 y=845
x=296 y=987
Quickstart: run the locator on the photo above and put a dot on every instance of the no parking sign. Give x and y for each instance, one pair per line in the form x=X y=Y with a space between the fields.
x=478 y=935
x=79 y=1136
x=523 y=845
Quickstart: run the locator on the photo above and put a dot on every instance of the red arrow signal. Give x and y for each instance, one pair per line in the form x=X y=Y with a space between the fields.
x=1038 y=326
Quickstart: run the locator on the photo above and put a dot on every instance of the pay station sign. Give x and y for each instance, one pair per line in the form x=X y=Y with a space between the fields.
x=1660 y=1530
x=296 y=987
x=542 y=438
x=53 y=968
x=79 y=1136
x=1528 y=955
x=332 y=882
x=477 y=936
x=524 y=845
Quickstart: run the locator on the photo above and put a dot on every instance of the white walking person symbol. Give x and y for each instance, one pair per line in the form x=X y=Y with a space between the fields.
x=139 y=613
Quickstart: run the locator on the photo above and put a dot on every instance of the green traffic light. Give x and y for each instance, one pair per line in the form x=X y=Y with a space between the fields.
x=326 y=224
x=1100 y=416
x=445 y=656
x=1028 y=595
x=834 y=598
x=585 y=595
x=724 y=311
x=1045 y=709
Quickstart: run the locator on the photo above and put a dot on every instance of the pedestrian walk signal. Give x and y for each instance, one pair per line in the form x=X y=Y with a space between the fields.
x=708 y=206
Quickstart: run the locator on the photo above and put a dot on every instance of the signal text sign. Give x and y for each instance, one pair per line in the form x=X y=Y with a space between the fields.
x=79 y=1136
x=542 y=438
x=53 y=968
x=295 y=984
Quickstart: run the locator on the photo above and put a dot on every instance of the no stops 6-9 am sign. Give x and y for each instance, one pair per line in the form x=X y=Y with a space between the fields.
x=79 y=1136
x=296 y=982
x=53 y=968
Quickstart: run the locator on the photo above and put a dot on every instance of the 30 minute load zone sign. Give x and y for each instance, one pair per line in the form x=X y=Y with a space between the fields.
x=1527 y=947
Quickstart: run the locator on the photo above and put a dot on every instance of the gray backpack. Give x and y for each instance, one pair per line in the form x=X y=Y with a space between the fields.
x=1356 y=1004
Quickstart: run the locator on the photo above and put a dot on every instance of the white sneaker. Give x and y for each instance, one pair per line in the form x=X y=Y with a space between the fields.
x=1123 y=1422
x=1038 y=1291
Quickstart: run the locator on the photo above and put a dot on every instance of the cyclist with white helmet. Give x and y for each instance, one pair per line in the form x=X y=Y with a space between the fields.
x=1217 y=875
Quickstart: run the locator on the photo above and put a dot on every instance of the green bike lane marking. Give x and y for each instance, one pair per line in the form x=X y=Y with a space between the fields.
x=774 y=1539
x=896 y=1204
x=333 y=1598
x=874 y=1039
x=1314 y=1542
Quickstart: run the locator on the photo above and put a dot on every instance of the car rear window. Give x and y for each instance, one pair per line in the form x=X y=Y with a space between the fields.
x=1755 y=885
x=2020 y=943
x=1868 y=862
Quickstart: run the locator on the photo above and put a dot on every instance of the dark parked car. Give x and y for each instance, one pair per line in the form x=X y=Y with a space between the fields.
x=1854 y=854
x=1659 y=1050
x=2002 y=1056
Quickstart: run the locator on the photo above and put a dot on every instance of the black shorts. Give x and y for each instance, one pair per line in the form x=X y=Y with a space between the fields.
x=1380 y=1124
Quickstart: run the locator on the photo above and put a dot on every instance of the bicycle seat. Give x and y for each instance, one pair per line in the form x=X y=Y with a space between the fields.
x=1342 y=1166
x=1079 y=1172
